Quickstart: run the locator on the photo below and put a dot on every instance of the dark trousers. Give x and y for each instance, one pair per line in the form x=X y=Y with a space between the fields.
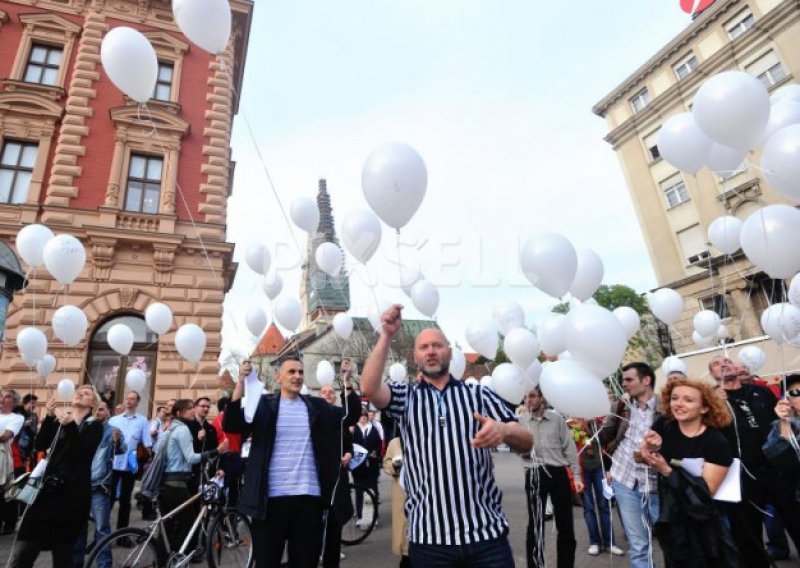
x=487 y=554
x=296 y=520
x=170 y=497
x=368 y=479
x=539 y=483
x=122 y=481
x=28 y=550
x=333 y=541
x=231 y=464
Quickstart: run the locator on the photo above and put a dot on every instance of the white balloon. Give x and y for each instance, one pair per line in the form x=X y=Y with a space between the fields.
x=752 y=357
x=425 y=297
x=69 y=325
x=375 y=311
x=532 y=374
x=508 y=315
x=732 y=108
x=472 y=381
x=682 y=143
x=305 y=214
x=329 y=258
x=304 y=390
x=130 y=62
x=588 y=275
x=508 y=382
x=394 y=180
x=771 y=240
x=780 y=161
x=325 y=373
x=552 y=334
x=158 y=317
x=783 y=113
x=482 y=337
x=707 y=322
x=629 y=319
x=723 y=332
x=724 y=233
x=288 y=312
x=674 y=363
x=190 y=341
x=521 y=346
x=64 y=257
x=258 y=258
x=361 y=234
x=787 y=92
x=573 y=390
x=794 y=291
x=486 y=382
x=256 y=321
x=136 y=380
x=397 y=372
x=408 y=276
x=458 y=363
x=120 y=338
x=343 y=325
x=666 y=304
x=65 y=389
x=702 y=341
x=31 y=241
x=273 y=284
x=781 y=322
x=207 y=23
x=723 y=160
x=549 y=261
x=46 y=365
x=32 y=345
x=596 y=338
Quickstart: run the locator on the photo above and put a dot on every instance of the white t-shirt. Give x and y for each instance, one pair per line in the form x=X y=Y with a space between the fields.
x=12 y=422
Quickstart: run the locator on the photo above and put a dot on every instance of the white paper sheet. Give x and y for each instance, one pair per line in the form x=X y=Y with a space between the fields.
x=252 y=394
x=731 y=488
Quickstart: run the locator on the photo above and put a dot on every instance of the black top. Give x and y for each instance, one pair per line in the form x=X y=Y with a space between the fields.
x=753 y=409
x=711 y=445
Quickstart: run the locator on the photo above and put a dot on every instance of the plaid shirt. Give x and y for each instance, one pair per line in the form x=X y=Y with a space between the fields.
x=626 y=471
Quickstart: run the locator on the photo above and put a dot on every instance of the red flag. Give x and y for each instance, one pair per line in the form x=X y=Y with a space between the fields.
x=695 y=6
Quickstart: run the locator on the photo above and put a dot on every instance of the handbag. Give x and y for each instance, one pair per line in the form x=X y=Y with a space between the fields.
x=24 y=489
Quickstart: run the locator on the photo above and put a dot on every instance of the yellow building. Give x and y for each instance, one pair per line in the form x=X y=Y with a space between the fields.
x=761 y=37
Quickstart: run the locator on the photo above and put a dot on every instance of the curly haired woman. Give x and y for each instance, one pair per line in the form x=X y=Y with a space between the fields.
x=690 y=524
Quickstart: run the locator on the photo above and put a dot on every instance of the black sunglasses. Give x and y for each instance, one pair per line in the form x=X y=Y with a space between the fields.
x=793 y=393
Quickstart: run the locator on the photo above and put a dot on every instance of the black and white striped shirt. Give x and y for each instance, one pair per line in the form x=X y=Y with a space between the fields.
x=452 y=498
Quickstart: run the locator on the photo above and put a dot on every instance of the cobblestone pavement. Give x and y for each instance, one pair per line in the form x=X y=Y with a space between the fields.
x=375 y=551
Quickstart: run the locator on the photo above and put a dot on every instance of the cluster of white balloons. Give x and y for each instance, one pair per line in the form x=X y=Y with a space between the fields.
x=129 y=58
x=553 y=265
x=62 y=255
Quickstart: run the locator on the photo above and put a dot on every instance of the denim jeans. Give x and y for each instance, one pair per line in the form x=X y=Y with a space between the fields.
x=638 y=521
x=487 y=554
x=601 y=536
x=101 y=515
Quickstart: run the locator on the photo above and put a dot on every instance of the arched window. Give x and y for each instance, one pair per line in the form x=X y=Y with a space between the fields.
x=107 y=369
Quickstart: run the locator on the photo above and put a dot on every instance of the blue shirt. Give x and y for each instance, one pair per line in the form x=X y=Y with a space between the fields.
x=135 y=428
x=180 y=451
x=103 y=456
x=292 y=469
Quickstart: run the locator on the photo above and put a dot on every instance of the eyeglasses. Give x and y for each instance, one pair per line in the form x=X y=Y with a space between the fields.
x=793 y=393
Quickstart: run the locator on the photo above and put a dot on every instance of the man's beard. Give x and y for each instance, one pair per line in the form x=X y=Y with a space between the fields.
x=436 y=372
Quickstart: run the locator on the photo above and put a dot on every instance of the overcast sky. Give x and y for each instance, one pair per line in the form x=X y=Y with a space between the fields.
x=495 y=95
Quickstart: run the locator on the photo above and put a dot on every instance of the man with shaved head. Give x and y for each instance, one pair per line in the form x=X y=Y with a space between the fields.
x=447 y=428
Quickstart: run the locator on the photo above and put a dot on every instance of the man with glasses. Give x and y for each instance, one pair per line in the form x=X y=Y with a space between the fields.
x=204 y=436
x=635 y=483
x=752 y=407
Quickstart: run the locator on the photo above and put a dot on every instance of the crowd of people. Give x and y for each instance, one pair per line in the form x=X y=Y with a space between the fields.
x=662 y=461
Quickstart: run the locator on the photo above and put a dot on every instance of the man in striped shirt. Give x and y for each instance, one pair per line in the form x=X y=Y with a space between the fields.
x=447 y=428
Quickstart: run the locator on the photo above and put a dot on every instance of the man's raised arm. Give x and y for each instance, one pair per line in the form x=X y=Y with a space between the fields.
x=371 y=384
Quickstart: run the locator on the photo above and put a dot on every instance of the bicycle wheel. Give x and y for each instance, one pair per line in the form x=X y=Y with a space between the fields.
x=355 y=530
x=229 y=542
x=126 y=548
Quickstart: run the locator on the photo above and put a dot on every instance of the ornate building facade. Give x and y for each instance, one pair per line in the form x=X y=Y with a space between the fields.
x=143 y=188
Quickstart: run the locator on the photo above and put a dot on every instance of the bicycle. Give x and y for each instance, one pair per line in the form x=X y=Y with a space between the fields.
x=228 y=540
x=355 y=531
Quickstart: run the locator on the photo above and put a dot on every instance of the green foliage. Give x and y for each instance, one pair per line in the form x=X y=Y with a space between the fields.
x=613 y=297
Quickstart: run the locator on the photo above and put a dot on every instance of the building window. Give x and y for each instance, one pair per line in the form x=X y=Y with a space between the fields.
x=674 y=190
x=640 y=100
x=767 y=68
x=693 y=245
x=686 y=66
x=651 y=146
x=16 y=170
x=44 y=61
x=740 y=23
x=163 y=89
x=144 y=184
x=716 y=303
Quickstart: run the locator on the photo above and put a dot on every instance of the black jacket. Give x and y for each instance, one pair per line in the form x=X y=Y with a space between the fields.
x=325 y=423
